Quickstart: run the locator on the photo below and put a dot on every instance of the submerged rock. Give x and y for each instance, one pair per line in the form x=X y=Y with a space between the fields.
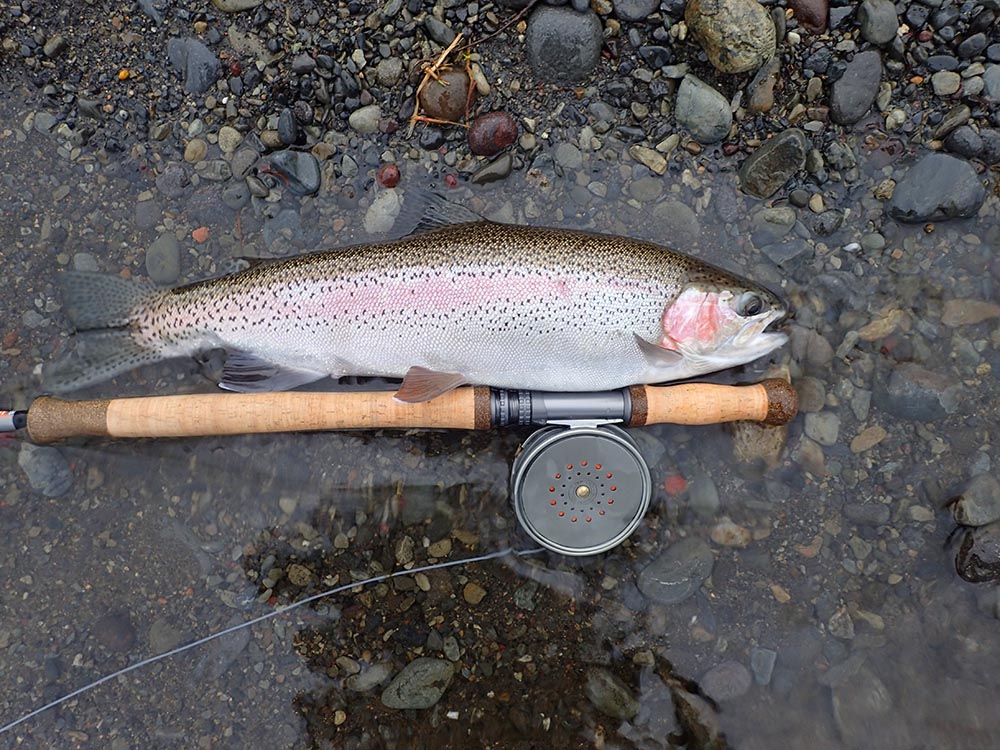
x=420 y=684
x=773 y=163
x=937 y=187
x=196 y=62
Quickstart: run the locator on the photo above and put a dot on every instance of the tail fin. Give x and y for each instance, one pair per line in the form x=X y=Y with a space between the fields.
x=103 y=310
x=94 y=301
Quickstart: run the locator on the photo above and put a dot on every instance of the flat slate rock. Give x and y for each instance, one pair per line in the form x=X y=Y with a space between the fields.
x=937 y=187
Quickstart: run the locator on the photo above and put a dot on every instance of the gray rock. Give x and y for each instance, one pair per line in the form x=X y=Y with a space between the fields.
x=288 y=129
x=420 y=684
x=498 y=169
x=964 y=141
x=854 y=92
x=563 y=45
x=85 y=262
x=978 y=556
x=704 y=496
x=46 y=469
x=823 y=427
x=635 y=10
x=235 y=6
x=918 y=394
x=237 y=195
x=677 y=221
x=726 y=681
x=937 y=187
x=860 y=709
x=214 y=170
x=867 y=514
x=370 y=678
x=771 y=224
x=782 y=253
x=991 y=81
x=388 y=71
x=163 y=636
x=147 y=214
x=702 y=111
x=365 y=119
x=568 y=156
x=54 y=46
x=196 y=62
x=610 y=695
x=979 y=503
x=678 y=572
x=768 y=168
x=762 y=661
x=646 y=189
x=737 y=35
x=878 y=21
x=945 y=82
x=163 y=259
x=439 y=31
x=44 y=122
x=301 y=170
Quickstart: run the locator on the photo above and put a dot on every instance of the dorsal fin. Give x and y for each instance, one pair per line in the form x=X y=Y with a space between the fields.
x=426 y=212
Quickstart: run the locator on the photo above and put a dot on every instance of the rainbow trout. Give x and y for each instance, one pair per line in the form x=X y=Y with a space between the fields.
x=481 y=303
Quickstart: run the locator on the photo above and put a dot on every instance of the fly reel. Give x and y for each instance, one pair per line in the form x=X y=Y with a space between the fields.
x=580 y=490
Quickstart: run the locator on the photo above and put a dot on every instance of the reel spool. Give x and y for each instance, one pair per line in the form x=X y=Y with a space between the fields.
x=580 y=490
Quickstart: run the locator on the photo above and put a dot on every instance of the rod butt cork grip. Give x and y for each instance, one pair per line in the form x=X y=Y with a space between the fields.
x=772 y=401
x=52 y=419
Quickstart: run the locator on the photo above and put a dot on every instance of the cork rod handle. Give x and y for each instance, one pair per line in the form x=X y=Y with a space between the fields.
x=51 y=419
x=771 y=401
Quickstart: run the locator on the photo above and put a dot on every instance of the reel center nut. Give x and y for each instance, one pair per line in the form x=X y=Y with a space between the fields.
x=580 y=490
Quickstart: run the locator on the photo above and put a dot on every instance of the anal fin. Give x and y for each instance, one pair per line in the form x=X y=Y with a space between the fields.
x=421 y=384
x=248 y=373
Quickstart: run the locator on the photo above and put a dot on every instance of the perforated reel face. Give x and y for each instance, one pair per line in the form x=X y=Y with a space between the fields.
x=580 y=490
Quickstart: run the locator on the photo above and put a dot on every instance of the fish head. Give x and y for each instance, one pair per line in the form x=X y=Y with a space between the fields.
x=722 y=320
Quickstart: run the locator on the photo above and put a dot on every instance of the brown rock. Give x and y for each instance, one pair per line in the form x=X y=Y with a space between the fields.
x=737 y=35
x=868 y=439
x=761 y=88
x=811 y=14
x=447 y=97
x=492 y=133
x=967 y=312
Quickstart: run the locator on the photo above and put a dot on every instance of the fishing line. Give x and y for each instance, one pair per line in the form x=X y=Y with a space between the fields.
x=263 y=618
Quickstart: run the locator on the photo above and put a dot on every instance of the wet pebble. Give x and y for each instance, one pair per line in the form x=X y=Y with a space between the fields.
x=115 y=632
x=762 y=661
x=563 y=45
x=945 y=82
x=702 y=111
x=854 y=92
x=610 y=695
x=964 y=312
x=388 y=71
x=173 y=182
x=492 y=133
x=811 y=14
x=237 y=195
x=420 y=684
x=635 y=10
x=568 y=156
x=915 y=393
x=978 y=556
x=726 y=681
x=54 y=45
x=301 y=170
x=979 y=503
x=370 y=678
x=868 y=438
x=229 y=139
x=163 y=259
x=48 y=472
x=991 y=81
x=761 y=88
x=677 y=572
x=288 y=129
x=823 y=427
x=447 y=98
x=439 y=31
x=937 y=187
x=496 y=170
x=878 y=21
x=964 y=141
x=382 y=213
x=768 y=168
x=236 y=6
x=737 y=35
x=365 y=119
x=196 y=62
x=163 y=636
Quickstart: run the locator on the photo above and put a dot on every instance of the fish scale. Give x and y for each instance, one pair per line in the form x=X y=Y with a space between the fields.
x=503 y=305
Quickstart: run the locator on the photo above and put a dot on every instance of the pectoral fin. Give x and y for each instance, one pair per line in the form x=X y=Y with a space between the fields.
x=421 y=384
x=656 y=354
x=248 y=373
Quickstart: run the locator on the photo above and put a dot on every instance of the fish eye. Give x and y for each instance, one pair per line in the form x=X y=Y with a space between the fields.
x=749 y=304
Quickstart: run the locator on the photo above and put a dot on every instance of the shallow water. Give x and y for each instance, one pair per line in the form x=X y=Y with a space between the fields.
x=847 y=579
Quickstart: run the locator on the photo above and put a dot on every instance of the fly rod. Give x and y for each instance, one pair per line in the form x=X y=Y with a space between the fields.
x=49 y=419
